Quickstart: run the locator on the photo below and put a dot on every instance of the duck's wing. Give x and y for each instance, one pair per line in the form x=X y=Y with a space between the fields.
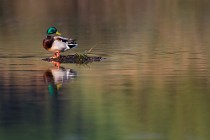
x=63 y=39
x=70 y=42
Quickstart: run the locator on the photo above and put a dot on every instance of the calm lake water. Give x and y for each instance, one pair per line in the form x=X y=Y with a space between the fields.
x=154 y=84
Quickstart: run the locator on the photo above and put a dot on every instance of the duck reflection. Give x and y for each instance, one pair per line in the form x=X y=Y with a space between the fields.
x=55 y=78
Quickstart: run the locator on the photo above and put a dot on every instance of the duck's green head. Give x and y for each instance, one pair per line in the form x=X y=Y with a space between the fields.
x=52 y=30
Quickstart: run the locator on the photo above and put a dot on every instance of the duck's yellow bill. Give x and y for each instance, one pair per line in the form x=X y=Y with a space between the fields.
x=59 y=86
x=57 y=33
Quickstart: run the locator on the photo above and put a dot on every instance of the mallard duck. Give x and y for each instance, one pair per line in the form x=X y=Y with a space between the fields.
x=53 y=42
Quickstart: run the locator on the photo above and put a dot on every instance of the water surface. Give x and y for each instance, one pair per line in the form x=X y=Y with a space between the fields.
x=154 y=83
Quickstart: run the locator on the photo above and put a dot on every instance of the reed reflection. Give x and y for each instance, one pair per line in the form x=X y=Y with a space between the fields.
x=55 y=77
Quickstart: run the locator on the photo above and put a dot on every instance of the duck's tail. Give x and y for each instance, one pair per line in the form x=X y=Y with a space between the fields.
x=72 y=44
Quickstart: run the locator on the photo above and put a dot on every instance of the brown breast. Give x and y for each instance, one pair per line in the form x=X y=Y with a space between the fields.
x=47 y=42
